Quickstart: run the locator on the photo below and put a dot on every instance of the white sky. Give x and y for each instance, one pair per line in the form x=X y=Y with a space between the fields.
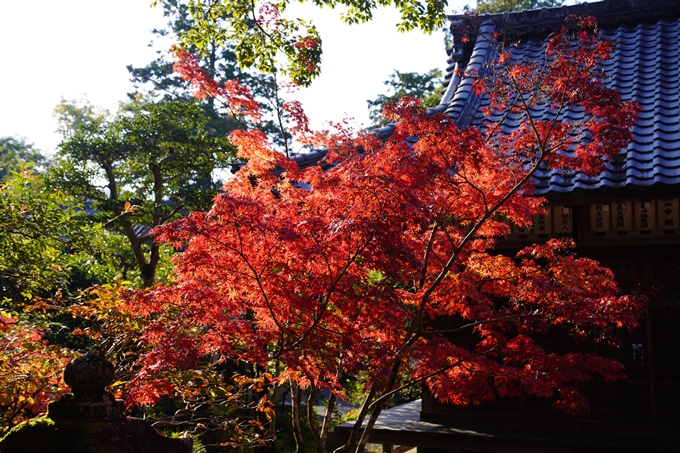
x=79 y=49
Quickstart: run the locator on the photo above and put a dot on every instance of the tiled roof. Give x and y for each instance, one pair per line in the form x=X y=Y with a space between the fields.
x=645 y=67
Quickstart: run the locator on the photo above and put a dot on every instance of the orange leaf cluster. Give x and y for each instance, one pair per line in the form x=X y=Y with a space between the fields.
x=30 y=372
x=235 y=96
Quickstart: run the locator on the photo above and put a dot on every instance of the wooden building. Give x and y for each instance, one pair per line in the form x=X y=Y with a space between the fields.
x=628 y=218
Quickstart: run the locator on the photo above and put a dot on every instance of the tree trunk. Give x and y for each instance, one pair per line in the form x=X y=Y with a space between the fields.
x=321 y=445
x=295 y=396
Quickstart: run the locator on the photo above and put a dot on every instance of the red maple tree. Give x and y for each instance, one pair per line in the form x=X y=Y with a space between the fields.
x=338 y=272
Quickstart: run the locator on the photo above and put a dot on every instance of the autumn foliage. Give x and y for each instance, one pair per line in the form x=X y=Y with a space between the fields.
x=332 y=273
x=30 y=371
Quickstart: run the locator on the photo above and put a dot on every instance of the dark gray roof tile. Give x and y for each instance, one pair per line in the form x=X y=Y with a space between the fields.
x=645 y=67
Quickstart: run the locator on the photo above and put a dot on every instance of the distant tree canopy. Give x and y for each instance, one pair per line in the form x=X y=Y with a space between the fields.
x=500 y=6
x=141 y=168
x=158 y=80
x=15 y=152
x=424 y=86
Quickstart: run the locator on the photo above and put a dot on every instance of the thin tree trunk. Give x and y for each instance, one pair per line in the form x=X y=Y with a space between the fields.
x=275 y=398
x=321 y=445
x=357 y=424
x=366 y=432
x=363 y=440
x=295 y=396
x=311 y=417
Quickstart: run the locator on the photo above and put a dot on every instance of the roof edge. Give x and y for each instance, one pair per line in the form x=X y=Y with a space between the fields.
x=607 y=12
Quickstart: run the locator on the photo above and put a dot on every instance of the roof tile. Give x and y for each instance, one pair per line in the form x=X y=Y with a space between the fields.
x=645 y=67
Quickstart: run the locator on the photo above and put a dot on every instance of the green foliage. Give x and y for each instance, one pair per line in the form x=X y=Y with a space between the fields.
x=500 y=6
x=139 y=169
x=154 y=150
x=216 y=23
x=112 y=259
x=269 y=42
x=159 y=81
x=425 y=86
x=50 y=250
x=40 y=235
x=16 y=153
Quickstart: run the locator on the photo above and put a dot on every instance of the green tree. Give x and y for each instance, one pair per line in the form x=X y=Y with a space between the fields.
x=267 y=41
x=500 y=6
x=141 y=168
x=15 y=153
x=40 y=233
x=424 y=86
x=160 y=81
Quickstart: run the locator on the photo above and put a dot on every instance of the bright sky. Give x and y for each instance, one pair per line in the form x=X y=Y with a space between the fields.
x=79 y=49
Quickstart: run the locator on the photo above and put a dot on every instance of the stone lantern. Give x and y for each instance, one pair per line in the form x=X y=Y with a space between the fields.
x=88 y=420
